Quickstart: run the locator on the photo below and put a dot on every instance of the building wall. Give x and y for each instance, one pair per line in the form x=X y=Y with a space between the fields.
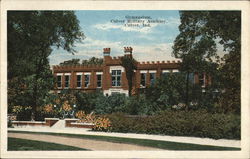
x=114 y=63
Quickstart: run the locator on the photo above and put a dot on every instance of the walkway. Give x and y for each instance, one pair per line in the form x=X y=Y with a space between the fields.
x=192 y=140
x=83 y=143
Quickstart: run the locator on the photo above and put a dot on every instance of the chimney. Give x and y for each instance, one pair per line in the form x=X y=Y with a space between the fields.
x=128 y=50
x=106 y=51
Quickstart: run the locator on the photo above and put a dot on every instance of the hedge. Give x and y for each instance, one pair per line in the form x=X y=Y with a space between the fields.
x=199 y=123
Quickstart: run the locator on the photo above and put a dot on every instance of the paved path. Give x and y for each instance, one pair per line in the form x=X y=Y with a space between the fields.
x=193 y=140
x=82 y=143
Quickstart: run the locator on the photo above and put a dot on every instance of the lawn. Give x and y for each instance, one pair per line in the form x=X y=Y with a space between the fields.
x=15 y=144
x=143 y=142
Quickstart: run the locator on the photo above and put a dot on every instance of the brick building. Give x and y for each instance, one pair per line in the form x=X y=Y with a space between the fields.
x=110 y=77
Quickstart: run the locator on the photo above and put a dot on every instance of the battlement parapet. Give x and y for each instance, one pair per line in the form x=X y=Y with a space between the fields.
x=158 y=62
x=57 y=67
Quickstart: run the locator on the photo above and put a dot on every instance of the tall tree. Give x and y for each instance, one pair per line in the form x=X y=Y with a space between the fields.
x=196 y=46
x=31 y=37
x=129 y=63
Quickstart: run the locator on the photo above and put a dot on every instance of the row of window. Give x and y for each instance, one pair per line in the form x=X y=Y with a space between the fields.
x=116 y=79
x=78 y=81
x=152 y=77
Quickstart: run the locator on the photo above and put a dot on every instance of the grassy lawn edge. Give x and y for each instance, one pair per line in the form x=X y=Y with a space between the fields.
x=167 y=145
x=17 y=144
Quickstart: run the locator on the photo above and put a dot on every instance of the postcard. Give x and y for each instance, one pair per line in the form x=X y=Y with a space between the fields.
x=125 y=79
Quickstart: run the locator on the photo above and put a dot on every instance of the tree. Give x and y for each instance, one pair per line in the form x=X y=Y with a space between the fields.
x=31 y=37
x=70 y=62
x=196 y=46
x=93 y=61
x=129 y=63
x=167 y=91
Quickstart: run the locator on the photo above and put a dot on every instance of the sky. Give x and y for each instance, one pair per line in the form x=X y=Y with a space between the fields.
x=150 y=33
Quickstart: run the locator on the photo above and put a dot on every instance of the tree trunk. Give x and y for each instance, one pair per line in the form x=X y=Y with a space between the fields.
x=187 y=92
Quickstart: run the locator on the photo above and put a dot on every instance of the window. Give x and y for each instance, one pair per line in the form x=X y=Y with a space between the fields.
x=191 y=77
x=202 y=79
x=79 y=81
x=86 y=82
x=99 y=80
x=175 y=71
x=143 y=79
x=59 y=81
x=152 y=78
x=165 y=73
x=116 y=77
x=67 y=79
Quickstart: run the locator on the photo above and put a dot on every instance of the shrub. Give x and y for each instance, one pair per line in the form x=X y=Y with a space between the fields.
x=102 y=124
x=23 y=113
x=199 y=123
x=110 y=104
x=85 y=118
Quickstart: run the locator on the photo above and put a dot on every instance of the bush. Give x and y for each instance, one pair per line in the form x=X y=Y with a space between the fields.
x=110 y=104
x=199 y=123
x=23 y=113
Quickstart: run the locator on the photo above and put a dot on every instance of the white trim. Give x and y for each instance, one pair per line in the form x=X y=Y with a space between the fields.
x=152 y=71
x=87 y=73
x=175 y=70
x=51 y=119
x=165 y=71
x=115 y=90
x=59 y=74
x=99 y=73
x=143 y=71
x=116 y=68
x=79 y=73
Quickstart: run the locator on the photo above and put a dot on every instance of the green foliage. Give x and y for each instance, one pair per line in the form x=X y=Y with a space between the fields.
x=167 y=91
x=70 y=62
x=180 y=123
x=129 y=63
x=87 y=101
x=110 y=104
x=196 y=46
x=31 y=37
x=93 y=61
x=138 y=105
x=23 y=113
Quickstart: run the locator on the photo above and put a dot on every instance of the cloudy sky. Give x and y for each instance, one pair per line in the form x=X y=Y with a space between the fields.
x=111 y=29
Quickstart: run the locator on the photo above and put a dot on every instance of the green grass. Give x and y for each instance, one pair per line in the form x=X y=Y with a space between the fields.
x=143 y=142
x=16 y=144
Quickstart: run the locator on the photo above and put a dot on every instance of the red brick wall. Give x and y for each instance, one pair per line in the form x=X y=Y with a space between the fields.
x=106 y=76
